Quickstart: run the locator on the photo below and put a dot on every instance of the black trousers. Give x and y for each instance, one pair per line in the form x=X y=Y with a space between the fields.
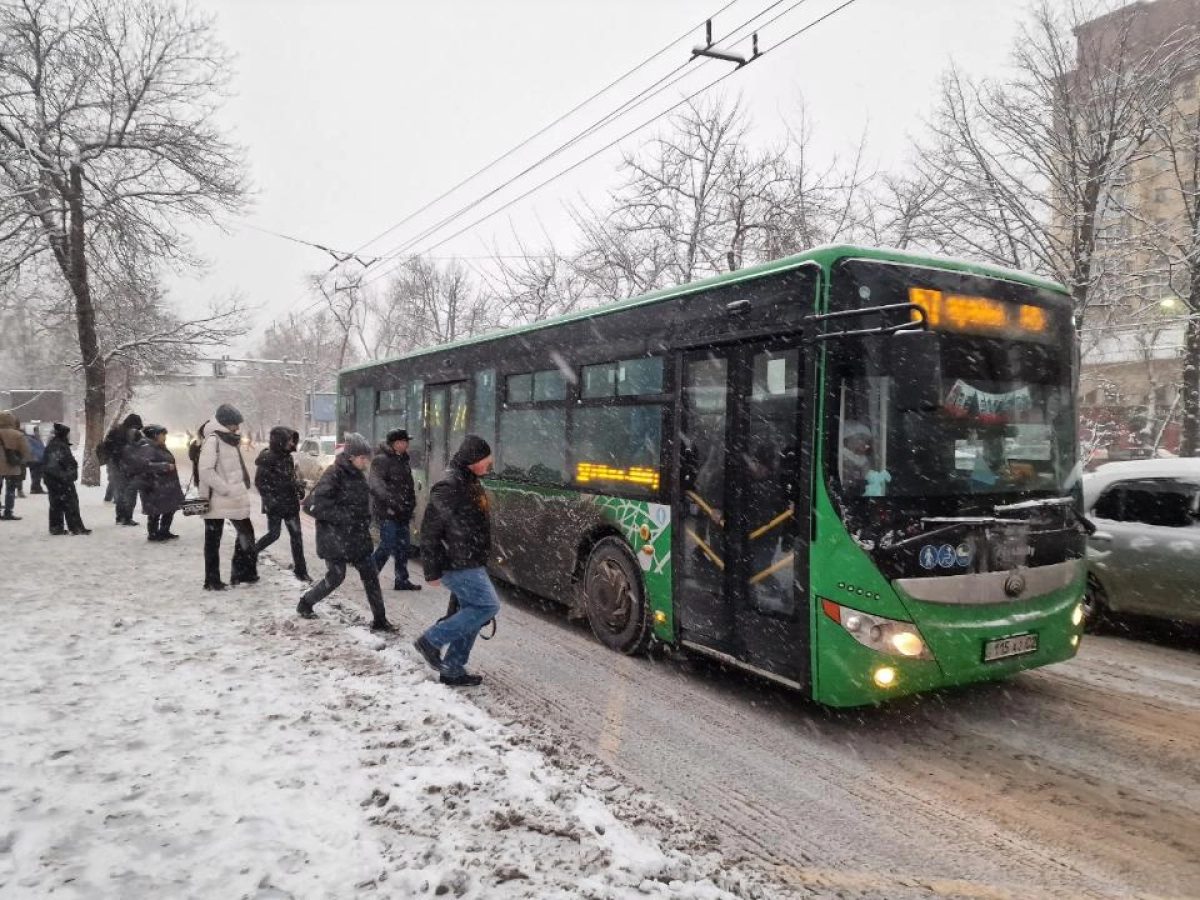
x=126 y=493
x=245 y=560
x=274 y=527
x=64 y=507
x=336 y=574
x=158 y=526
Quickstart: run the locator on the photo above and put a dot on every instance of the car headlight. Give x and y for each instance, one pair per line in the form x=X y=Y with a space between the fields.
x=889 y=636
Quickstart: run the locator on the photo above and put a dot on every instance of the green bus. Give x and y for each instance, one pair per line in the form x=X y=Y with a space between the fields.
x=851 y=471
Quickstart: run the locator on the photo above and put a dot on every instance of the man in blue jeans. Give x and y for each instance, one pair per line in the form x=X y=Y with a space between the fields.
x=393 y=499
x=456 y=538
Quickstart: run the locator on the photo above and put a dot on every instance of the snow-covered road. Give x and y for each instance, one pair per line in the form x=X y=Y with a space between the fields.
x=159 y=741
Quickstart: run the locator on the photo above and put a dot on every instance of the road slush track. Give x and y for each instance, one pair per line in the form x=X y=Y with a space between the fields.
x=1077 y=781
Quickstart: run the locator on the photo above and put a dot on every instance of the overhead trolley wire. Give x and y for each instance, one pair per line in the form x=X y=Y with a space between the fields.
x=628 y=106
x=543 y=130
x=392 y=256
x=510 y=151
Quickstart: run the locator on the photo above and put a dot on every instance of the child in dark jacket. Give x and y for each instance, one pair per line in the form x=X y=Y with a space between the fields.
x=280 y=490
x=60 y=471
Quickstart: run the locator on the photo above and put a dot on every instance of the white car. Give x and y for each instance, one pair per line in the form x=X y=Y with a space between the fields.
x=1144 y=556
x=314 y=456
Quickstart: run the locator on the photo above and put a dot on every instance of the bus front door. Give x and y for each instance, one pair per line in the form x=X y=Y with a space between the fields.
x=446 y=407
x=740 y=578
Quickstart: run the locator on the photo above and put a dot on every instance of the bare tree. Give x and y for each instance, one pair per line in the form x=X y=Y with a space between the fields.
x=426 y=304
x=1027 y=162
x=107 y=142
x=1171 y=240
x=348 y=305
x=700 y=199
x=535 y=286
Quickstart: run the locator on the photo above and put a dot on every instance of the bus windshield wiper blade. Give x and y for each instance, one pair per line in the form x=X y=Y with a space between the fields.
x=1067 y=503
x=1040 y=503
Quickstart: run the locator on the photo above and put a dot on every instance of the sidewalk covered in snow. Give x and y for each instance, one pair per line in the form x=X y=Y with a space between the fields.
x=157 y=740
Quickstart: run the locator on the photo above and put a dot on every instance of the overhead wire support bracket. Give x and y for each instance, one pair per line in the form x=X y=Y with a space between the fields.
x=716 y=53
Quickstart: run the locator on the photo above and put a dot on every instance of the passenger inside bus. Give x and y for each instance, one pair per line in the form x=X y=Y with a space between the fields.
x=857 y=457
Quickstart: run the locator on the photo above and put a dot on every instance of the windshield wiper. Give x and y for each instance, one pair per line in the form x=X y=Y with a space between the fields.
x=1067 y=503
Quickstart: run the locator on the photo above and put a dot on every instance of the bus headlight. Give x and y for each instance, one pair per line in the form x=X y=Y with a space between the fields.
x=1077 y=615
x=888 y=636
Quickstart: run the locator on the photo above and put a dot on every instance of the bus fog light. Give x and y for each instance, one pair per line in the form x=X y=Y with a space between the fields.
x=1077 y=615
x=1074 y=640
x=884 y=677
x=888 y=636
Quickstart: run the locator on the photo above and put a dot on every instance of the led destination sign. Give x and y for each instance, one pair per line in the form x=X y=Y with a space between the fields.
x=980 y=315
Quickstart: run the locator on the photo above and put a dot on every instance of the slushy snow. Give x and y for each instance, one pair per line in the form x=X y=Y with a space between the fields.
x=160 y=741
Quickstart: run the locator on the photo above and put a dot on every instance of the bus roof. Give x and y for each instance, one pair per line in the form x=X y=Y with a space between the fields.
x=824 y=255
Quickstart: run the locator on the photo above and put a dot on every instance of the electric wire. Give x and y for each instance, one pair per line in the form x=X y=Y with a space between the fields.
x=509 y=152
x=543 y=130
x=384 y=272
x=628 y=107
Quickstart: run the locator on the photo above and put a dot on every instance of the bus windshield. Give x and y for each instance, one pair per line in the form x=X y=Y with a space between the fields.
x=1004 y=426
x=1004 y=422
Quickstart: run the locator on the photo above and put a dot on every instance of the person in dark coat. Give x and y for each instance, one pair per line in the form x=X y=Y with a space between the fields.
x=341 y=504
x=60 y=471
x=158 y=479
x=455 y=541
x=393 y=499
x=37 y=453
x=280 y=490
x=118 y=444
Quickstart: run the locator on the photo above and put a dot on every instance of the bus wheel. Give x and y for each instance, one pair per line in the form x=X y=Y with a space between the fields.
x=613 y=598
x=1095 y=606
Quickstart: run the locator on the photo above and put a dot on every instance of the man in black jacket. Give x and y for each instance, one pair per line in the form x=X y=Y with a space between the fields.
x=119 y=449
x=280 y=490
x=456 y=538
x=393 y=499
x=60 y=471
x=341 y=504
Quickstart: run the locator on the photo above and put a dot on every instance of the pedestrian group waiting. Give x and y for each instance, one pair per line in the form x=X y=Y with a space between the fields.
x=362 y=487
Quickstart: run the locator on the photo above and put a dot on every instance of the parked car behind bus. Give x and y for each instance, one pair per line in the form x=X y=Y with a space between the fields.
x=1144 y=557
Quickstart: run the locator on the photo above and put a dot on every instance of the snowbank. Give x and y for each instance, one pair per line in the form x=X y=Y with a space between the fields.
x=160 y=741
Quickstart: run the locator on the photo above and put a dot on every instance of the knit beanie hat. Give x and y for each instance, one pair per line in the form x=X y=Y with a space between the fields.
x=228 y=415
x=356 y=445
x=61 y=431
x=473 y=449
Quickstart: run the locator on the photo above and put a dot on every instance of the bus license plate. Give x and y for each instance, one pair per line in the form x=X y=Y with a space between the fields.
x=1002 y=648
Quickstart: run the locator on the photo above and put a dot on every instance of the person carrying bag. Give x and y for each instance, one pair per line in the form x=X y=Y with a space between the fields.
x=222 y=473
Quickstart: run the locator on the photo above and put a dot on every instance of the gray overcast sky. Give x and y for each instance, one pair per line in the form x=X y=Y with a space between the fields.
x=356 y=113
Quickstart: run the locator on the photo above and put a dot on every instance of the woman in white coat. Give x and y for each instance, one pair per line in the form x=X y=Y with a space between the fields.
x=224 y=479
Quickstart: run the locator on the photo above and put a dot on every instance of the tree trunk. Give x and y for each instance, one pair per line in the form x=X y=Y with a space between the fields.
x=1191 y=382
x=76 y=272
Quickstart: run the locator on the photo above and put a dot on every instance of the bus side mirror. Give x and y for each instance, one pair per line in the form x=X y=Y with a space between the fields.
x=915 y=364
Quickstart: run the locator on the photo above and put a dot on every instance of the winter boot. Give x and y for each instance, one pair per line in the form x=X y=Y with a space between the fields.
x=432 y=655
x=466 y=679
x=305 y=610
